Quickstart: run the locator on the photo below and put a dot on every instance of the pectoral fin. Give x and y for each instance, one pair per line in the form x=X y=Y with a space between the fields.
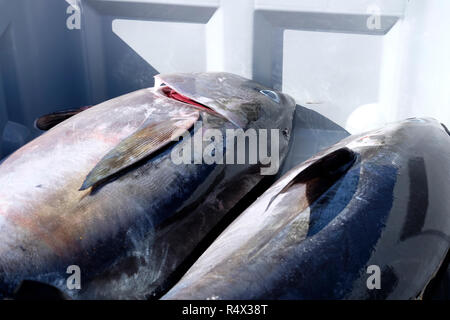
x=48 y=121
x=148 y=139
x=322 y=174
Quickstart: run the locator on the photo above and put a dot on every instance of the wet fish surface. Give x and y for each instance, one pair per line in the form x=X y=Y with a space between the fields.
x=367 y=218
x=101 y=192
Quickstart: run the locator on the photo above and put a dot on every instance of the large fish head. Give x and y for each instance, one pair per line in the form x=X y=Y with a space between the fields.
x=241 y=101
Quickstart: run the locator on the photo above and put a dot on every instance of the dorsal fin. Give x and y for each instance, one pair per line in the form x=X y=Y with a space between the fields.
x=151 y=137
x=50 y=120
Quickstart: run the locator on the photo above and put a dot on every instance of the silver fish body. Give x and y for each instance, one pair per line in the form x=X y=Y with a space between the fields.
x=368 y=218
x=76 y=196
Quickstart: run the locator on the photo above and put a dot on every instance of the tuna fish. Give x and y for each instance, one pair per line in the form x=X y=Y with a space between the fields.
x=100 y=190
x=367 y=218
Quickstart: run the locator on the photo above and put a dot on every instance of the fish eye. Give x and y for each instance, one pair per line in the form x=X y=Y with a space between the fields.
x=272 y=95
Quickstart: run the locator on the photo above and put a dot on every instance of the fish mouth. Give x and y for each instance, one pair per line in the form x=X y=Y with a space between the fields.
x=173 y=94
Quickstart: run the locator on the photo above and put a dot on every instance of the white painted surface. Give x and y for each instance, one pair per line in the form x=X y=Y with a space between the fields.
x=164 y=39
x=319 y=51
